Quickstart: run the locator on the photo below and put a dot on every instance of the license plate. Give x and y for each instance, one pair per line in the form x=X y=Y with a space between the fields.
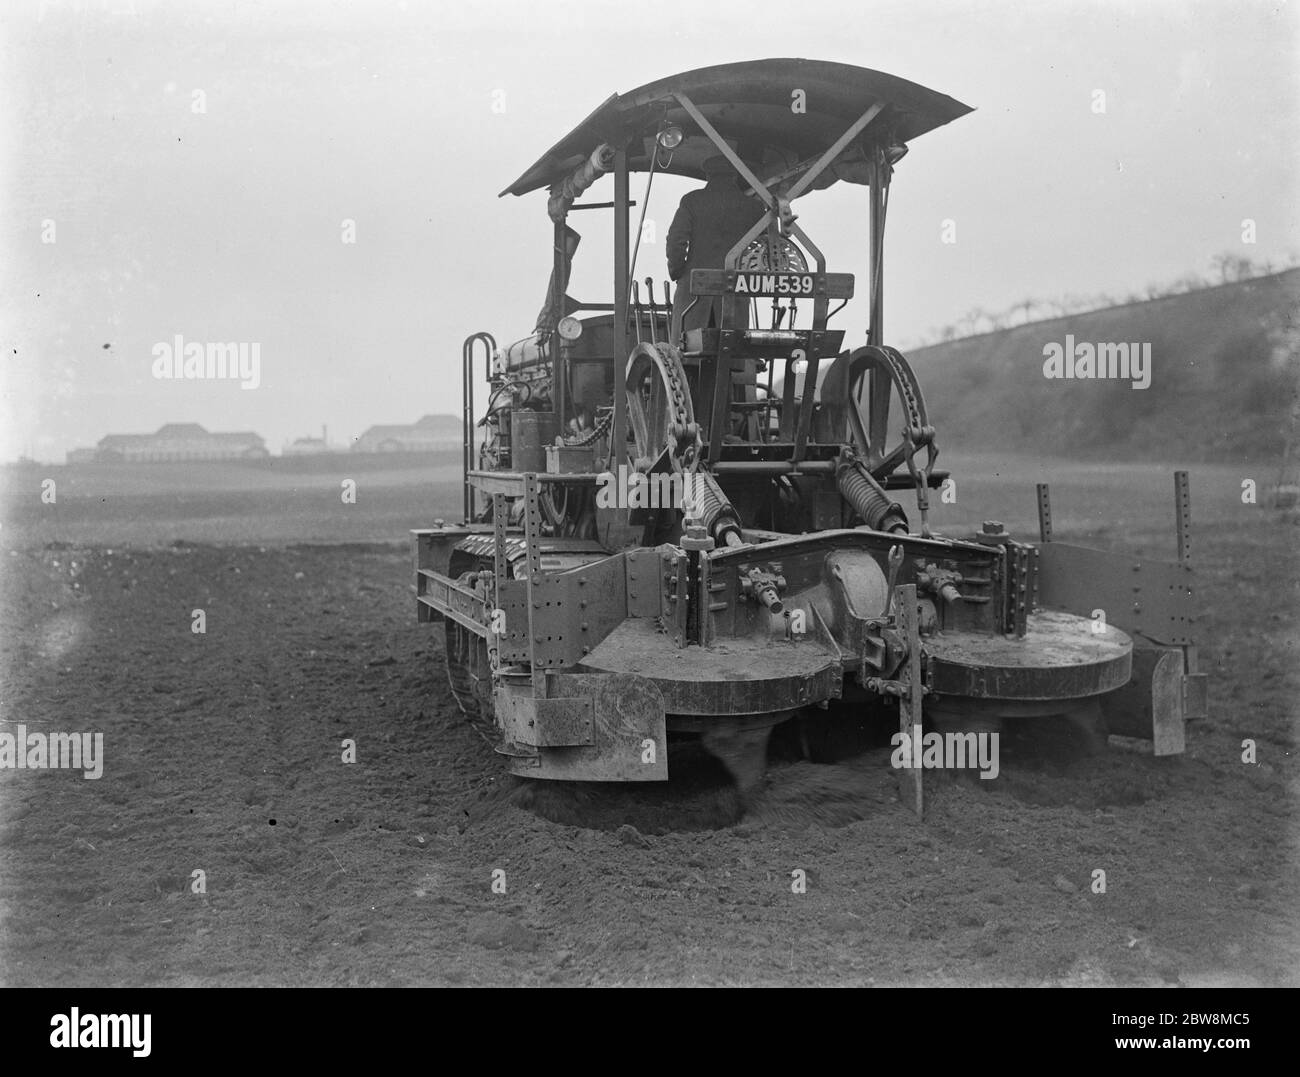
x=774 y=284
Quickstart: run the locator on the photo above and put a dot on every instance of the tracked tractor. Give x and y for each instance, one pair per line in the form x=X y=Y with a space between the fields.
x=703 y=535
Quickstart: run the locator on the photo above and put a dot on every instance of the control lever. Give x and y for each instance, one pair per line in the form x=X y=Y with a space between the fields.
x=654 y=314
x=895 y=563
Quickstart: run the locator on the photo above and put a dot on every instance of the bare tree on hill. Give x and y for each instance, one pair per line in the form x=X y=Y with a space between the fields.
x=1233 y=267
x=1229 y=267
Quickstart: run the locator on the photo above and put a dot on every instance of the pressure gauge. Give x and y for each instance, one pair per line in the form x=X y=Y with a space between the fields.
x=570 y=328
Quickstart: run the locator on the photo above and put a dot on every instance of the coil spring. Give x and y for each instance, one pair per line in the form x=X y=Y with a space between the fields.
x=869 y=499
x=712 y=508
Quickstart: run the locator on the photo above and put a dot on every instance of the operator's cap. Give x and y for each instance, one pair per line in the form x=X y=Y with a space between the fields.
x=717 y=165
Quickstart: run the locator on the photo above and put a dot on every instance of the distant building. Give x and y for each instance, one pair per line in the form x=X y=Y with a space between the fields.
x=307 y=447
x=180 y=441
x=429 y=434
x=81 y=456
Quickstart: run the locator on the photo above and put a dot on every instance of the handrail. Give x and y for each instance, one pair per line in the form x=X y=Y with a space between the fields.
x=467 y=410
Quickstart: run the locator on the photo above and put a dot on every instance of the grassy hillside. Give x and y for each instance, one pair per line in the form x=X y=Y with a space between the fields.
x=1224 y=374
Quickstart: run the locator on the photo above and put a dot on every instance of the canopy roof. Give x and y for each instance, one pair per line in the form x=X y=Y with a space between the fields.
x=749 y=104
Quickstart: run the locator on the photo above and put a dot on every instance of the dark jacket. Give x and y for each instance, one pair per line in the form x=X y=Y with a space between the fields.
x=709 y=222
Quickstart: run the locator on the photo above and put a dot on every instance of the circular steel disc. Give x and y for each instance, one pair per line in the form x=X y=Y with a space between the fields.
x=1063 y=657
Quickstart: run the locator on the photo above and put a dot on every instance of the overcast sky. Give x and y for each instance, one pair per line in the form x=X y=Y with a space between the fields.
x=226 y=224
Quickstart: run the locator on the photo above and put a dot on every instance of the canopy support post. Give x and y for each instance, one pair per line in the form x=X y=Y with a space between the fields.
x=622 y=343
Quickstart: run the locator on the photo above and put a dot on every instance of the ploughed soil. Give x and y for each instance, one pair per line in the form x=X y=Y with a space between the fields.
x=223 y=754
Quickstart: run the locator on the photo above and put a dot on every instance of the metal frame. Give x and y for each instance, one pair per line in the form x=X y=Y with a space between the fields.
x=545 y=692
x=470 y=505
x=909 y=704
x=779 y=215
x=622 y=339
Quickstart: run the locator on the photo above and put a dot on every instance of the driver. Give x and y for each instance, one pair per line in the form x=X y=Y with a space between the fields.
x=709 y=222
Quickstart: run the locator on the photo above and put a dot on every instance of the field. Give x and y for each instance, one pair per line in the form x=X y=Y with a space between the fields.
x=223 y=755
